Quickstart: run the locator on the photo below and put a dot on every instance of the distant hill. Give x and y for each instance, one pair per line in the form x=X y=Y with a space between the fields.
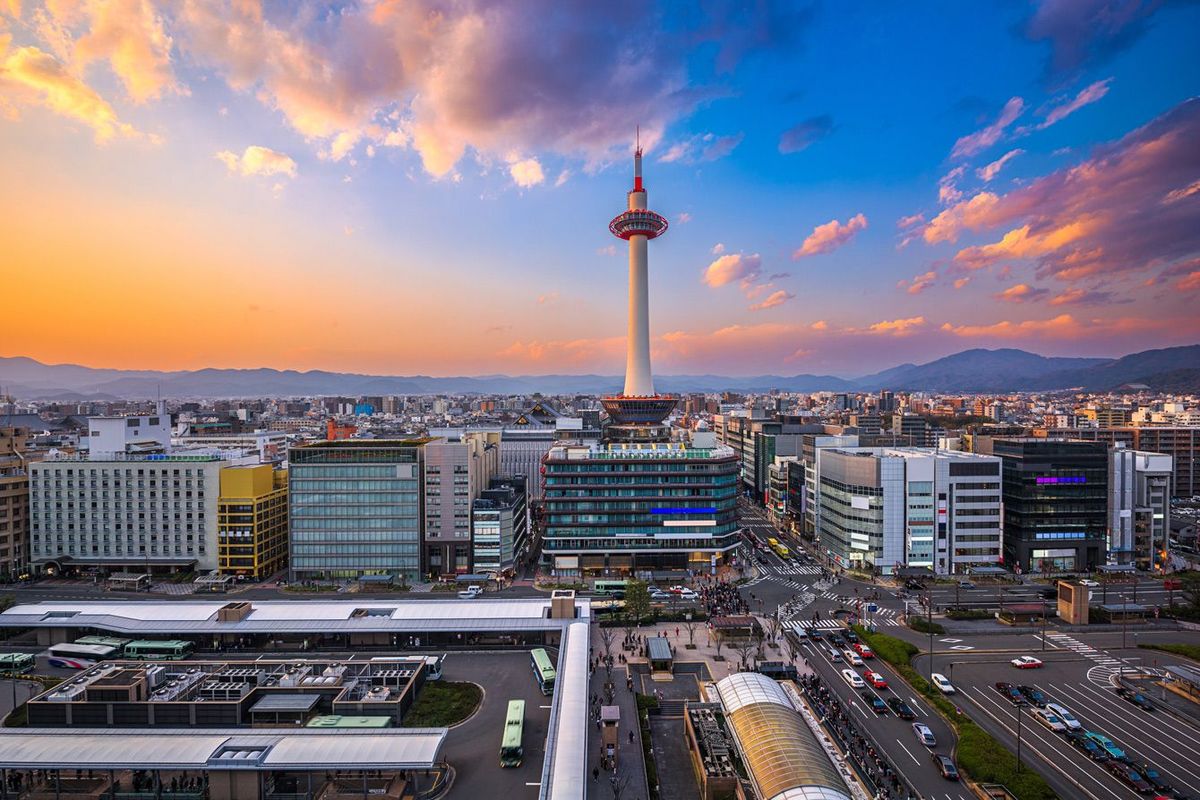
x=978 y=370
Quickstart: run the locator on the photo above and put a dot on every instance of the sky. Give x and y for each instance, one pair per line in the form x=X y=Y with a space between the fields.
x=424 y=187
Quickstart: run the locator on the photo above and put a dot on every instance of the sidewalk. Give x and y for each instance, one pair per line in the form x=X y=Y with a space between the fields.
x=631 y=764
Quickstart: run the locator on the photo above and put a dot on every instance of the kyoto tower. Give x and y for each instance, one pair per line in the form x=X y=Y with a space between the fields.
x=638 y=412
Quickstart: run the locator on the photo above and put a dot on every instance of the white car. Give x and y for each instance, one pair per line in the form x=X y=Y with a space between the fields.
x=943 y=685
x=688 y=594
x=852 y=658
x=1088 y=582
x=1026 y=662
x=1066 y=716
x=851 y=677
x=1050 y=720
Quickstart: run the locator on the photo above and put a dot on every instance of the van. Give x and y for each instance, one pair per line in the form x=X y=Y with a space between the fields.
x=833 y=653
x=470 y=593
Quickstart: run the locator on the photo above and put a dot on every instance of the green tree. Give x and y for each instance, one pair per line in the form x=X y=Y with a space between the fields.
x=637 y=599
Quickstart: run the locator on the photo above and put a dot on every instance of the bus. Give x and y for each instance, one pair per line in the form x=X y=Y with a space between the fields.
x=16 y=663
x=779 y=547
x=149 y=650
x=80 y=656
x=543 y=670
x=107 y=641
x=614 y=587
x=511 y=752
x=433 y=664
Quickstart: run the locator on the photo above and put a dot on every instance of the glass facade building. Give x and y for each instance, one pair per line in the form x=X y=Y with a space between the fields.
x=613 y=508
x=1055 y=504
x=356 y=509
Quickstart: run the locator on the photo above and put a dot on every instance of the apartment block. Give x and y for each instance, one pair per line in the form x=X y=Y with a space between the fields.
x=455 y=473
x=252 y=521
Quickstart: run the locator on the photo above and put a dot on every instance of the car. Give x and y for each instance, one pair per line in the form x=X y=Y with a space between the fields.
x=1026 y=662
x=900 y=708
x=833 y=653
x=852 y=658
x=939 y=680
x=945 y=765
x=1108 y=745
x=1088 y=582
x=471 y=592
x=851 y=677
x=876 y=703
x=914 y=584
x=1131 y=776
x=1156 y=779
x=1050 y=720
x=1089 y=747
x=1048 y=593
x=875 y=679
x=837 y=640
x=966 y=585
x=688 y=594
x=1137 y=698
x=863 y=650
x=1066 y=716
x=1012 y=693
x=851 y=636
x=1033 y=695
x=814 y=633
x=924 y=734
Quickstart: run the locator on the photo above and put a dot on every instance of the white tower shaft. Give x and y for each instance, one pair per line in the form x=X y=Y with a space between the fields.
x=638 y=380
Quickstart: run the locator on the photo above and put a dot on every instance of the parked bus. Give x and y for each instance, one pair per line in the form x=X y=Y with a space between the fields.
x=511 y=751
x=80 y=656
x=16 y=663
x=433 y=664
x=149 y=650
x=543 y=670
x=613 y=587
x=107 y=641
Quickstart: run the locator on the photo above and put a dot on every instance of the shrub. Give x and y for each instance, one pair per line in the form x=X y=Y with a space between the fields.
x=968 y=613
x=924 y=626
x=1191 y=651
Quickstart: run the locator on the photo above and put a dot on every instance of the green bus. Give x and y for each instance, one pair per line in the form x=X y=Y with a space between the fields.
x=511 y=751
x=16 y=663
x=543 y=670
x=104 y=641
x=170 y=650
x=613 y=587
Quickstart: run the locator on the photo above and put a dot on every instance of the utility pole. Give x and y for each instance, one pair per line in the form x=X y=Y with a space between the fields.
x=1043 y=624
x=1018 y=738
x=929 y=619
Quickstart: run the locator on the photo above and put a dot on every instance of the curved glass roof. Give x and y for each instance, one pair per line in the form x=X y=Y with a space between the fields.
x=785 y=760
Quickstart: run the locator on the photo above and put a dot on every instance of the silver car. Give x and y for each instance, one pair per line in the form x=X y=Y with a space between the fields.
x=924 y=734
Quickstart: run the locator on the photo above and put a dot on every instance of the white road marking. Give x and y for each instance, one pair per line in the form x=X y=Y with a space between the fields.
x=917 y=706
x=910 y=755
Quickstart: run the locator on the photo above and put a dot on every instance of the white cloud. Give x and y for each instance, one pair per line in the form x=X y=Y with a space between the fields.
x=258 y=161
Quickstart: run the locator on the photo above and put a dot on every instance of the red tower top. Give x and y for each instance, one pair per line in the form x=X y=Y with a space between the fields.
x=638 y=220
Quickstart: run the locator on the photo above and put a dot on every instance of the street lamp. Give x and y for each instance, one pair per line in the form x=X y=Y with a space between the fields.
x=1043 y=624
x=929 y=619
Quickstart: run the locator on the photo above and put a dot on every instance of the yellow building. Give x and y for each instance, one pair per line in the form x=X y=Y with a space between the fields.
x=252 y=521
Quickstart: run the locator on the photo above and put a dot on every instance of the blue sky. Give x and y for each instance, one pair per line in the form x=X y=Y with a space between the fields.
x=425 y=187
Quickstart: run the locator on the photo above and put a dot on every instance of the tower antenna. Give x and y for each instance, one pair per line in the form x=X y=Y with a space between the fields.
x=638 y=139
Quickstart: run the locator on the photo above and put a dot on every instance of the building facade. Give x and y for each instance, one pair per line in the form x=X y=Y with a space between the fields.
x=152 y=512
x=500 y=526
x=1055 y=504
x=885 y=508
x=1181 y=443
x=356 y=508
x=615 y=508
x=1139 y=508
x=455 y=472
x=14 y=503
x=252 y=521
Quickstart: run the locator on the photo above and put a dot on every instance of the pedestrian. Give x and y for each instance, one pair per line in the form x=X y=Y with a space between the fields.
x=595 y=773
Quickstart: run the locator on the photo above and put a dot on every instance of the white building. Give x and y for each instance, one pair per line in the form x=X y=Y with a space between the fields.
x=148 y=433
x=1139 y=507
x=271 y=446
x=884 y=508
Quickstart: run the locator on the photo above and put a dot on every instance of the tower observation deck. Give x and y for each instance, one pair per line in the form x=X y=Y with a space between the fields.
x=638 y=412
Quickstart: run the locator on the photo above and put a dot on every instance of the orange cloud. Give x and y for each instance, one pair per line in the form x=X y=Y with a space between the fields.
x=30 y=76
x=130 y=36
x=1064 y=326
x=974 y=214
x=919 y=283
x=777 y=298
x=1020 y=293
x=258 y=161
x=1189 y=282
x=989 y=171
x=525 y=172
x=1022 y=243
x=830 y=236
x=733 y=267
x=898 y=327
x=982 y=139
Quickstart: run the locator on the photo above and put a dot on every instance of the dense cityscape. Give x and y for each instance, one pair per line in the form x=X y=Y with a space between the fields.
x=318 y=480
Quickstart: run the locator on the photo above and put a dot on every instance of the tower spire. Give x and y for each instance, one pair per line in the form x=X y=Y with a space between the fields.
x=637 y=161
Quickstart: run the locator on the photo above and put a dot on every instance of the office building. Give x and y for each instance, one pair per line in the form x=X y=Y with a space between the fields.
x=151 y=512
x=1055 y=504
x=500 y=526
x=1182 y=444
x=811 y=446
x=455 y=472
x=885 y=508
x=1139 y=508
x=108 y=436
x=14 y=503
x=252 y=521
x=356 y=509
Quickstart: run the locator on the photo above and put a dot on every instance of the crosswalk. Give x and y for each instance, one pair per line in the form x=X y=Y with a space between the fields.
x=1106 y=665
x=830 y=624
x=796 y=569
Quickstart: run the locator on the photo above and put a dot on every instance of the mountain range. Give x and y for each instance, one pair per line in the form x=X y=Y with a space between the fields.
x=1174 y=369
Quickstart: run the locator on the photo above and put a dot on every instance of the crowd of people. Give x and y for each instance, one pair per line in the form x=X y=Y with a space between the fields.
x=723 y=600
x=868 y=761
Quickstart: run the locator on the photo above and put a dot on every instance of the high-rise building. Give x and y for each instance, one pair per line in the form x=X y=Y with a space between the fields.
x=1055 y=504
x=14 y=503
x=1139 y=508
x=500 y=526
x=637 y=500
x=456 y=471
x=1181 y=443
x=884 y=508
x=356 y=508
x=252 y=521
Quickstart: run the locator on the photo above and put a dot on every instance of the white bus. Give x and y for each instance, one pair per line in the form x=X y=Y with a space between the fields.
x=433 y=664
x=80 y=656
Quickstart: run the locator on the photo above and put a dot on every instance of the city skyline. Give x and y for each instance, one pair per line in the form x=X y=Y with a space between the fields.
x=384 y=189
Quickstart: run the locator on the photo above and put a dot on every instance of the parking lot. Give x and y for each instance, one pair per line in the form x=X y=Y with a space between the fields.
x=892 y=735
x=1081 y=680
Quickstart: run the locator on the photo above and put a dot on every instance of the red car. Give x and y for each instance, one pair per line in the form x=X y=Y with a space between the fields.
x=863 y=650
x=876 y=680
x=1026 y=662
